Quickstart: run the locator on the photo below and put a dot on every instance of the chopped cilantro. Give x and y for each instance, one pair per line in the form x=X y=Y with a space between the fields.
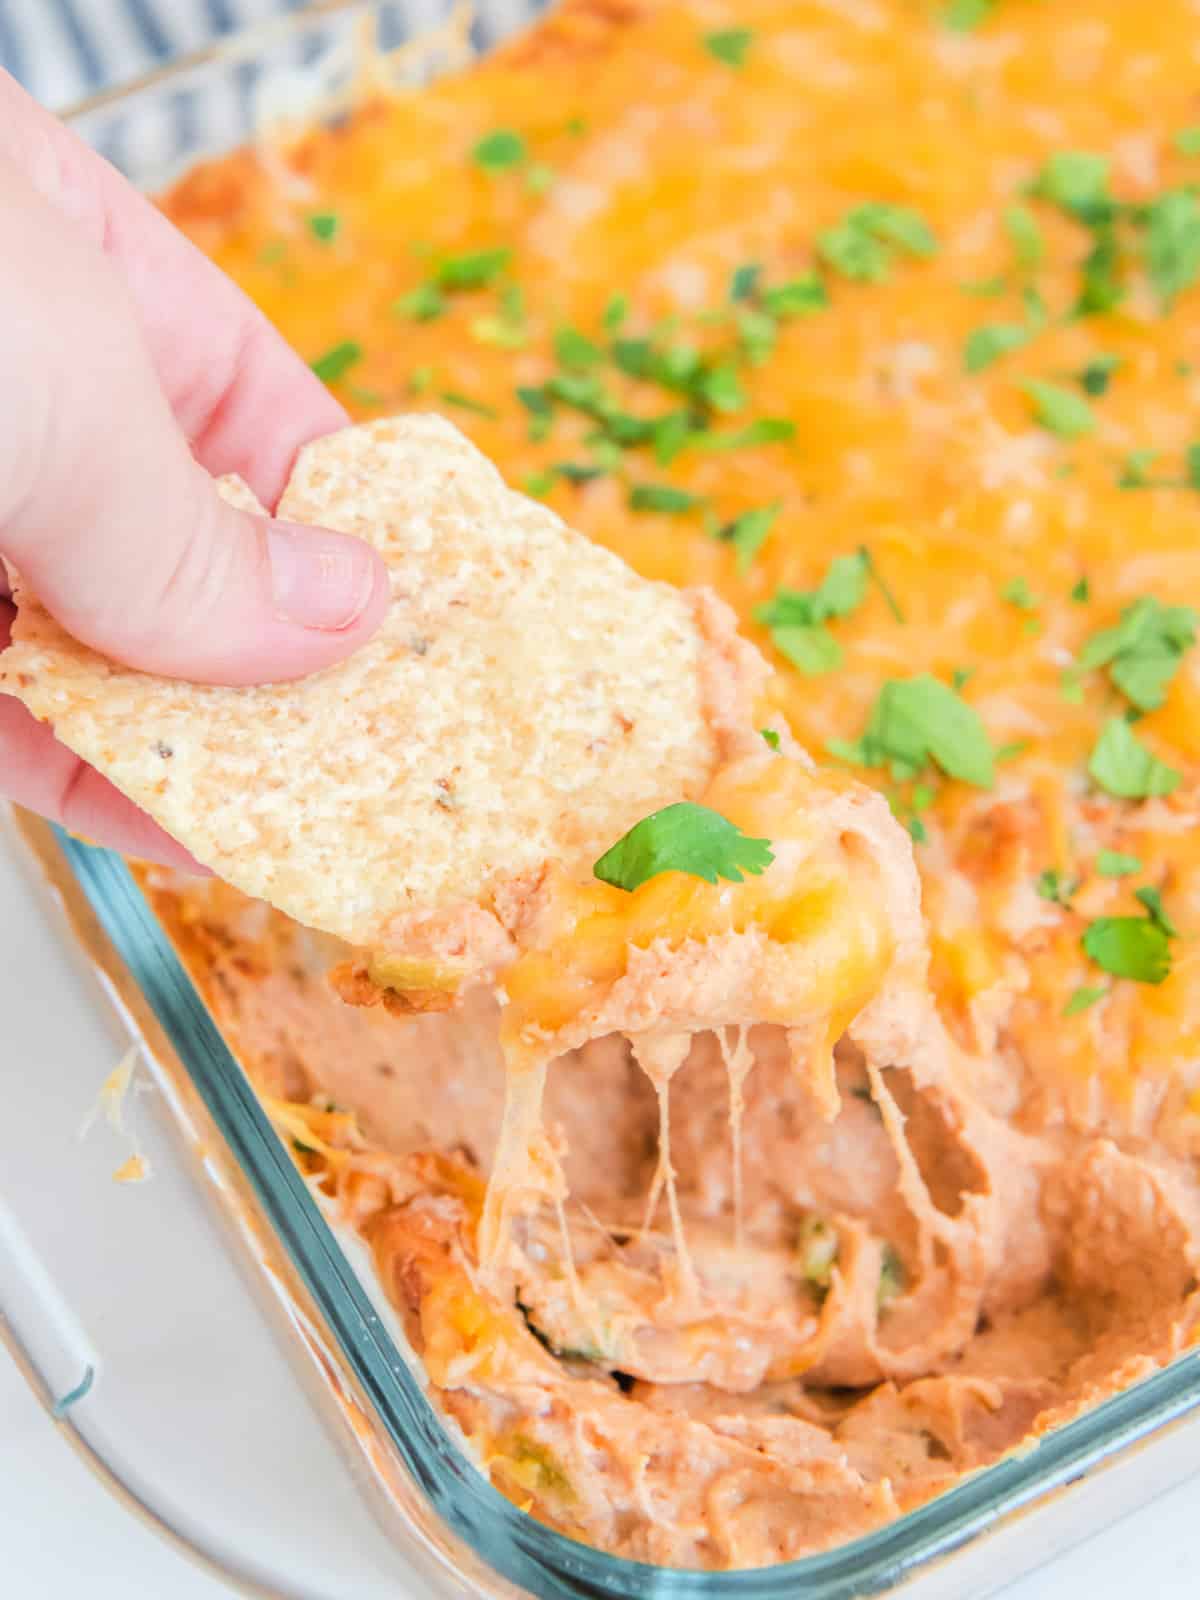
x=539 y=484
x=1096 y=375
x=748 y=533
x=771 y=737
x=1135 y=473
x=799 y=297
x=763 y=430
x=1192 y=458
x=1058 y=410
x=1056 y=887
x=683 y=838
x=1114 y=864
x=729 y=45
x=336 y=362
x=422 y=304
x=324 y=225
x=744 y=283
x=1129 y=947
x=578 y=472
x=918 y=832
x=615 y=312
x=758 y=334
x=420 y=379
x=1010 y=751
x=1081 y=592
x=1076 y=180
x=464 y=402
x=662 y=497
x=863 y=244
x=1017 y=593
x=1173 y=243
x=474 y=270
x=810 y=648
x=840 y=592
x=961 y=16
x=987 y=344
x=721 y=389
x=1151 y=898
x=1187 y=141
x=1022 y=228
x=575 y=351
x=498 y=151
x=1122 y=765
x=986 y=287
x=1082 y=999
x=1144 y=650
x=916 y=720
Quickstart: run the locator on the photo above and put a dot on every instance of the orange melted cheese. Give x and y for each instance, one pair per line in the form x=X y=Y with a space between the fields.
x=828 y=909
x=656 y=172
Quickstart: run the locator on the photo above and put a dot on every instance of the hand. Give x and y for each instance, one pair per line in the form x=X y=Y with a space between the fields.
x=132 y=369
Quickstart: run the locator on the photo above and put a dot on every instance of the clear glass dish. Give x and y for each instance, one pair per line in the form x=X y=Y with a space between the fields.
x=460 y=1532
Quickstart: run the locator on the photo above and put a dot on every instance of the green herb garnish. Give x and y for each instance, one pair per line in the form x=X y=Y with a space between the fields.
x=1056 y=887
x=729 y=45
x=324 y=225
x=918 y=720
x=987 y=344
x=662 y=497
x=1151 y=898
x=863 y=245
x=1018 y=594
x=1026 y=236
x=474 y=270
x=1114 y=864
x=1081 y=1000
x=335 y=363
x=771 y=737
x=748 y=533
x=683 y=838
x=1059 y=410
x=422 y=304
x=1144 y=650
x=499 y=151
x=1129 y=947
x=1122 y=765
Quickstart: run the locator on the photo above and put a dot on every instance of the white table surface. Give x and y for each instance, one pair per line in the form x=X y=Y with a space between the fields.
x=216 y=1424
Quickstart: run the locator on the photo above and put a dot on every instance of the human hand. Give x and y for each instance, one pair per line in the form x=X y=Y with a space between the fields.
x=132 y=369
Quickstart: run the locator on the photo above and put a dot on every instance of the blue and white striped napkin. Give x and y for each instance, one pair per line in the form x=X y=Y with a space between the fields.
x=63 y=50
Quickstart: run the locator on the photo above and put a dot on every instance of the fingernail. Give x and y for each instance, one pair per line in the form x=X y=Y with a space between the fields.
x=319 y=579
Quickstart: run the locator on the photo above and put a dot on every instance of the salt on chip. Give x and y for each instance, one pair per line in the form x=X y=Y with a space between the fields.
x=528 y=698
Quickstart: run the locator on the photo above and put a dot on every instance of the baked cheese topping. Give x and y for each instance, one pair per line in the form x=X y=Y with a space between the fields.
x=916 y=395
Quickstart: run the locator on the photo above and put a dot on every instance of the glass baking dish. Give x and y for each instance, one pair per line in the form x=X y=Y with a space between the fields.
x=460 y=1533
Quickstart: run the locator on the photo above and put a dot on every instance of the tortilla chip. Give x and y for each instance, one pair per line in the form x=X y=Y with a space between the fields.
x=527 y=699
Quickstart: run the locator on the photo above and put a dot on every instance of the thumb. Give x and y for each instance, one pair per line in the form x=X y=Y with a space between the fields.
x=105 y=512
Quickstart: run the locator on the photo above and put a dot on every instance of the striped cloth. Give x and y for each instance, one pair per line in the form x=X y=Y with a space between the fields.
x=63 y=50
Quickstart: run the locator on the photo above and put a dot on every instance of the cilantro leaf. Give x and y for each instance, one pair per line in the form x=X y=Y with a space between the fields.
x=1022 y=228
x=615 y=312
x=422 y=304
x=683 y=838
x=748 y=532
x=1095 y=377
x=324 y=225
x=1187 y=141
x=1059 y=410
x=1081 y=591
x=474 y=270
x=1076 y=180
x=662 y=497
x=729 y=45
x=1151 y=898
x=1173 y=243
x=498 y=151
x=1054 y=886
x=961 y=16
x=987 y=344
x=1082 y=1000
x=811 y=648
x=744 y=283
x=575 y=351
x=919 y=719
x=1018 y=594
x=1143 y=650
x=336 y=362
x=1122 y=765
x=840 y=592
x=863 y=244
x=1129 y=947
x=799 y=297
x=771 y=737
x=1114 y=864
